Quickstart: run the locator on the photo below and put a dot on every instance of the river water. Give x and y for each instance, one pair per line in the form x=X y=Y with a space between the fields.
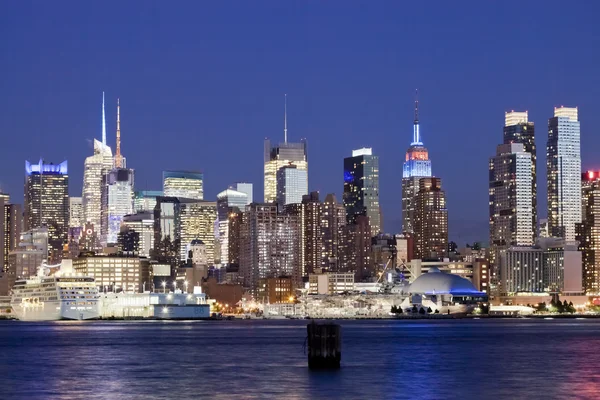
x=381 y=359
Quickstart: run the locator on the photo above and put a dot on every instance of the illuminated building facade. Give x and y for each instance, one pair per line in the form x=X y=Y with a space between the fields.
x=76 y=217
x=244 y=187
x=292 y=184
x=195 y=220
x=47 y=203
x=416 y=166
x=563 y=164
x=115 y=273
x=518 y=129
x=510 y=201
x=588 y=231
x=143 y=224
x=117 y=202
x=11 y=219
x=361 y=188
x=309 y=213
x=277 y=157
x=145 y=200
x=333 y=220
x=184 y=184
x=229 y=204
x=431 y=220
x=269 y=245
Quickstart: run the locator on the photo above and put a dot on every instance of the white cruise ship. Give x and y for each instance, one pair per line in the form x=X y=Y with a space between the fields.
x=63 y=295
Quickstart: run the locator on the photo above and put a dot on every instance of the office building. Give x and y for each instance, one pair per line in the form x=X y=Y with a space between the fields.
x=244 y=187
x=95 y=167
x=292 y=184
x=510 y=201
x=588 y=231
x=355 y=249
x=145 y=200
x=431 y=220
x=276 y=290
x=417 y=165
x=518 y=129
x=117 y=202
x=115 y=273
x=269 y=245
x=330 y=283
x=184 y=184
x=195 y=220
x=361 y=188
x=76 y=216
x=563 y=164
x=143 y=224
x=47 y=203
x=11 y=219
x=279 y=156
x=230 y=203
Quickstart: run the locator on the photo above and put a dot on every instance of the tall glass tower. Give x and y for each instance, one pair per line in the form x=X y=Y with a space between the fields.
x=416 y=166
x=361 y=188
x=563 y=164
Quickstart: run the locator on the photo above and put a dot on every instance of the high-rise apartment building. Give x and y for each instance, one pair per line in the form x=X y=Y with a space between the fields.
x=518 y=129
x=11 y=219
x=563 y=164
x=184 y=184
x=333 y=221
x=588 y=231
x=292 y=184
x=355 y=248
x=416 y=166
x=76 y=217
x=269 y=245
x=361 y=188
x=431 y=220
x=510 y=201
x=47 y=203
x=309 y=213
x=279 y=156
x=117 y=202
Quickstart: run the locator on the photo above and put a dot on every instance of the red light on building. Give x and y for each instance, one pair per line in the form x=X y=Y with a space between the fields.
x=590 y=175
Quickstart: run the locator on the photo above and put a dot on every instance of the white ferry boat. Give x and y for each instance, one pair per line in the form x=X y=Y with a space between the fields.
x=63 y=295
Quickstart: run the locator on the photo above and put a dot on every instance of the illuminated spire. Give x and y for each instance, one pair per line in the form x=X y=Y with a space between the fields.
x=103 y=122
x=416 y=135
x=285 y=118
x=118 y=157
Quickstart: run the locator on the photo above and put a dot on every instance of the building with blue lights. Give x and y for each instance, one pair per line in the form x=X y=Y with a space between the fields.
x=117 y=202
x=361 y=188
x=416 y=166
x=47 y=203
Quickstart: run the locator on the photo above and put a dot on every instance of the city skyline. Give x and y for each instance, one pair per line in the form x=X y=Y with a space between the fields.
x=334 y=115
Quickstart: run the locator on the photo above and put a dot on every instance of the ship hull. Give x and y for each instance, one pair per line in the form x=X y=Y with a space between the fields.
x=55 y=310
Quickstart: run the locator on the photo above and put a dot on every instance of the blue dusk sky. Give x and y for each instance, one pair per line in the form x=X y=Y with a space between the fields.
x=201 y=85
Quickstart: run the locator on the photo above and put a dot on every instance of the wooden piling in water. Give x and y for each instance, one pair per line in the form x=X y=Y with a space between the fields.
x=324 y=346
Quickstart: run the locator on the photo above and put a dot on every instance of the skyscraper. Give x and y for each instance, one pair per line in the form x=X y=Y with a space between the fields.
x=309 y=212
x=95 y=167
x=269 y=245
x=47 y=203
x=277 y=157
x=431 y=220
x=332 y=226
x=292 y=184
x=229 y=203
x=563 y=164
x=11 y=219
x=117 y=193
x=145 y=200
x=185 y=184
x=361 y=188
x=588 y=231
x=518 y=129
x=75 y=212
x=510 y=200
x=244 y=187
x=416 y=166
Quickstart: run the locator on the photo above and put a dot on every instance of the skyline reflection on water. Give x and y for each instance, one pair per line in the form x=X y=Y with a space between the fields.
x=381 y=359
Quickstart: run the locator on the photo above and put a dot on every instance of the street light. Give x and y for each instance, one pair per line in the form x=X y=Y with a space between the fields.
x=164 y=284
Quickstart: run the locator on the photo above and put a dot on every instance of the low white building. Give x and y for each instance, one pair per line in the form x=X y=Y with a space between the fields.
x=330 y=283
x=154 y=305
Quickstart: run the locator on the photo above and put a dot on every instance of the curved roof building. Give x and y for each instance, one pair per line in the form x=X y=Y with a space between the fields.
x=436 y=282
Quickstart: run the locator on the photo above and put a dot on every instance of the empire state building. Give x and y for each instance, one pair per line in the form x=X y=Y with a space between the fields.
x=416 y=166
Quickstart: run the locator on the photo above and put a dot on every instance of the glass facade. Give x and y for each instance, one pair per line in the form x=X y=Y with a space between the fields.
x=95 y=167
x=277 y=157
x=292 y=184
x=117 y=201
